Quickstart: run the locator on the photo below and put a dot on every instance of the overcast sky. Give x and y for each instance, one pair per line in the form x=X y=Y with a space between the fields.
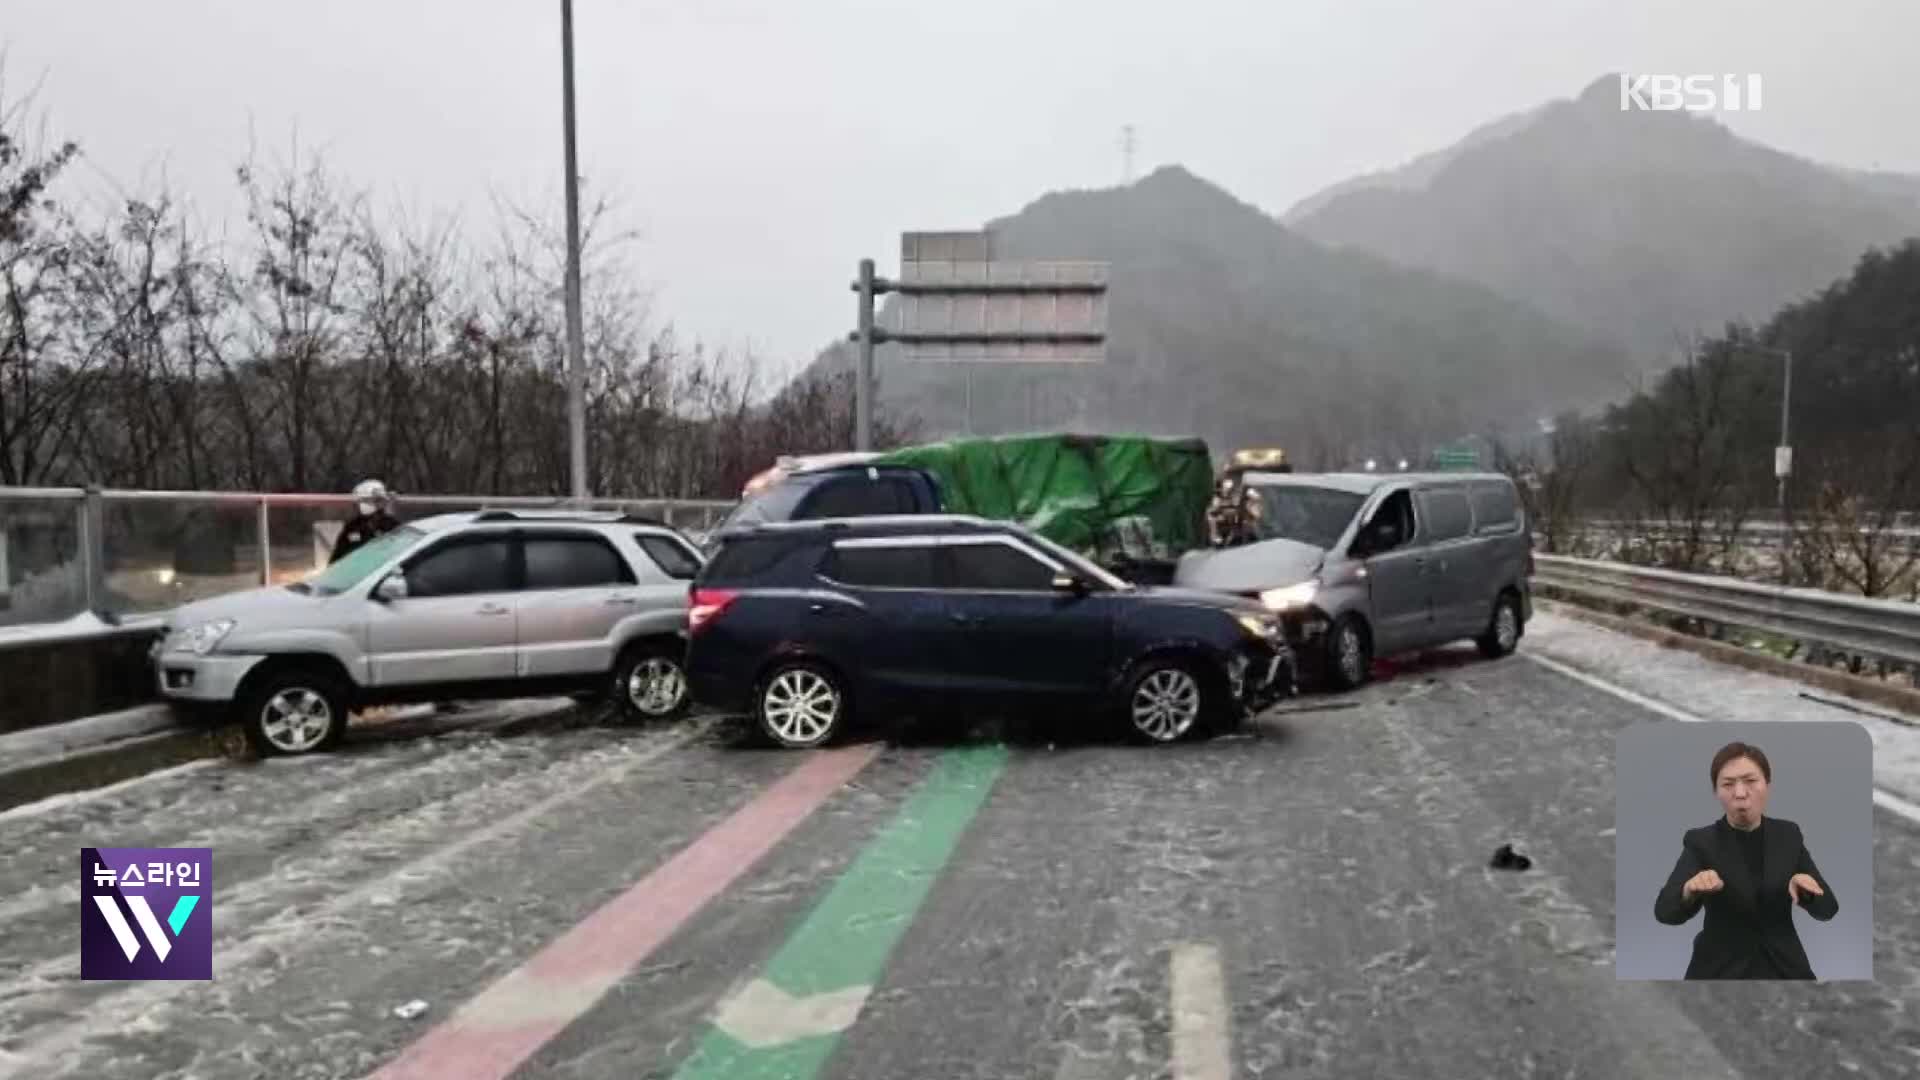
x=762 y=147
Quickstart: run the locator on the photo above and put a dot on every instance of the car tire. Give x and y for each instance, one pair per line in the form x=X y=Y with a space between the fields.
x=1504 y=628
x=650 y=682
x=1166 y=702
x=1349 y=655
x=295 y=711
x=801 y=706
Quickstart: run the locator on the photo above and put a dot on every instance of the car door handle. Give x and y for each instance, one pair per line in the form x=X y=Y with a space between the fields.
x=963 y=618
x=492 y=609
x=622 y=601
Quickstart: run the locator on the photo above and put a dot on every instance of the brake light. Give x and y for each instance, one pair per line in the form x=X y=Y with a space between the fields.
x=706 y=606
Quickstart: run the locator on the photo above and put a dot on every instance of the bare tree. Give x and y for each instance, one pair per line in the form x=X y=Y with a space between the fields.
x=41 y=388
x=1680 y=455
x=304 y=240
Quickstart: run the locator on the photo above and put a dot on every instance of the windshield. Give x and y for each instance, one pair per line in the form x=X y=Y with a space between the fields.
x=776 y=503
x=363 y=560
x=1298 y=512
x=1078 y=563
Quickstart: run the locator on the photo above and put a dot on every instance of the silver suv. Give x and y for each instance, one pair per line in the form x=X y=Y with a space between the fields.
x=490 y=605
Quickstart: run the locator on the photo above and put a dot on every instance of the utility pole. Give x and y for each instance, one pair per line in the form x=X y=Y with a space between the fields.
x=1126 y=154
x=1783 y=464
x=576 y=349
x=863 y=379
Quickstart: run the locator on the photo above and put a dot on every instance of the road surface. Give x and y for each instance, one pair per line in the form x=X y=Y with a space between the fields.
x=571 y=897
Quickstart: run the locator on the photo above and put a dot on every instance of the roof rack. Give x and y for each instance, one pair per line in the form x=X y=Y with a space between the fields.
x=624 y=517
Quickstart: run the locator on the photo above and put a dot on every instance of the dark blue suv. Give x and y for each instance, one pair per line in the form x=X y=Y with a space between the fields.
x=800 y=623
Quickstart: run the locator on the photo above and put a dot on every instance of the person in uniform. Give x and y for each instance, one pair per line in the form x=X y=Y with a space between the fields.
x=373 y=520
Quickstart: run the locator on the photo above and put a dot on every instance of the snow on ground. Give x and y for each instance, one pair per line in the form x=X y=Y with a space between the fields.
x=84 y=625
x=34 y=745
x=1716 y=691
x=70 y=799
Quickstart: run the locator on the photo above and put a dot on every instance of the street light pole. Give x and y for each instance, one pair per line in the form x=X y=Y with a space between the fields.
x=576 y=349
x=1785 y=466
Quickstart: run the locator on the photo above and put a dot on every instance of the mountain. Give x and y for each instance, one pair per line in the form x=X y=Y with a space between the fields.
x=1227 y=325
x=1641 y=225
x=1415 y=174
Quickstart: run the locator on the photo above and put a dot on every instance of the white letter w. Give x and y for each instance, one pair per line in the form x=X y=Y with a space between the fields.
x=124 y=933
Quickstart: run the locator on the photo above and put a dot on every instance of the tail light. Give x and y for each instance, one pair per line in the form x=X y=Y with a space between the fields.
x=706 y=606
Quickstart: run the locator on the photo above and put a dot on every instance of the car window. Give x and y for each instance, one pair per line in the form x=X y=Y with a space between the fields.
x=1449 y=516
x=744 y=558
x=996 y=566
x=363 y=560
x=1396 y=513
x=1300 y=512
x=573 y=562
x=1078 y=563
x=858 y=496
x=776 y=503
x=1496 y=507
x=674 y=558
x=462 y=568
x=887 y=567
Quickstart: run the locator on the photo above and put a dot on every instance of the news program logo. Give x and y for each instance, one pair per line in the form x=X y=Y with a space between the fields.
x=1693 y=93
x=146 y=914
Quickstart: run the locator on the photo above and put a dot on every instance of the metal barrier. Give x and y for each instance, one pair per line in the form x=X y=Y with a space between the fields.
x=71 y=558
x=1757 y=534
x=1880 y=629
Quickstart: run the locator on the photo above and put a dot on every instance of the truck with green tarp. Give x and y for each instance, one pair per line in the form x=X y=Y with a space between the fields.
x=1131 y=502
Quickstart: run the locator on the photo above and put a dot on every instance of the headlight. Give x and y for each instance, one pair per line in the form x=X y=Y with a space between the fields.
x=1260 y=626
x=203 y=639
x=1293 y=596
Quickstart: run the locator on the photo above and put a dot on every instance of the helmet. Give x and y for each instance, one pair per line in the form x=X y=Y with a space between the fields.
x=371 y=495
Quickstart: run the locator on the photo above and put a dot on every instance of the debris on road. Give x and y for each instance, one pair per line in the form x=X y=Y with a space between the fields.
x=1505 y=858
x=411 y=1010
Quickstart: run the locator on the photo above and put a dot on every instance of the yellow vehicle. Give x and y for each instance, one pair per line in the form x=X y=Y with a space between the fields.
x=1270 y=459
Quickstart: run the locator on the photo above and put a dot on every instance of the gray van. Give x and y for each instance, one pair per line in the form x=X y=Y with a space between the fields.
x=1360 y=565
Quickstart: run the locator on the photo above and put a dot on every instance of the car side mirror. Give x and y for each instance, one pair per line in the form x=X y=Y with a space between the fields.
x=394 y=587
x=1069 y=583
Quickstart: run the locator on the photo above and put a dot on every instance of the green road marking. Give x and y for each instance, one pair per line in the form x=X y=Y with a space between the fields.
x=787 y=1023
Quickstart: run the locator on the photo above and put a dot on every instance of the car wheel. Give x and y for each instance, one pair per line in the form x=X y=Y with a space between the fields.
x=1165 y=702
x=1349 y=658
x=1502 y=635
x=801 y=706
x=650 y=682
x=294 y=712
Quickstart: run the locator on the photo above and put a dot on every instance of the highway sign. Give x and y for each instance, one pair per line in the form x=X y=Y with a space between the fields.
x=957 y=303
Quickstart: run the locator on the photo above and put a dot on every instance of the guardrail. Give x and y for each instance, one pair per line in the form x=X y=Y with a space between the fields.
x=1759 y=534
x=1887 y=630
x=72 y=559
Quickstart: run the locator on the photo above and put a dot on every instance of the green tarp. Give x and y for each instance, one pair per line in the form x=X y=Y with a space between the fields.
x=1110 y=497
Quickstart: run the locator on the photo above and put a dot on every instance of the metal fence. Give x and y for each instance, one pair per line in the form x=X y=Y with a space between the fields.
x=1887 y=630
x=1754 y=534
x=74 y=556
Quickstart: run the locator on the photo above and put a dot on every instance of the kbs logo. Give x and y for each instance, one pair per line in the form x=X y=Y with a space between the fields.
x=123 y=894
x=1694 y=93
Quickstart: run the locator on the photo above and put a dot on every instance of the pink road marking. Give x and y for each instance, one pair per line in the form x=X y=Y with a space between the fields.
x=496 y=1032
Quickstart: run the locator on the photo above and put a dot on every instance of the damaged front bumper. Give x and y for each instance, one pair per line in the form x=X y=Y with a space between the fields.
x=1261 y=678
